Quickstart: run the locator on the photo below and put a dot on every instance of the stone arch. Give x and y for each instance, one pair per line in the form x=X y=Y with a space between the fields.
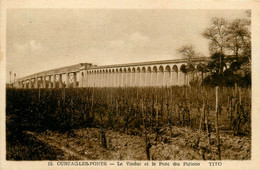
x=124 y=76
x=161 y=69
x=143 y=77
x=175 y=68
x=149 y=70
x=119 y=77
x=133 y=76
x=167 y=76
x=109 y=77
x=101 y=78
x=175 y=75
x=105 y=77
x=143 y=69
x=138 y=76
x=167 y=68
x=183 y=65
x=160 y=77
x=116 y=77
x=155 y=69
x=154 y=77
x=149 y=76
x=112 y=79
x=182 y=75
x=128 y=76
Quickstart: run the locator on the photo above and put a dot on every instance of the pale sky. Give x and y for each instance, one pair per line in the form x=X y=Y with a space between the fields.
x=43 y=39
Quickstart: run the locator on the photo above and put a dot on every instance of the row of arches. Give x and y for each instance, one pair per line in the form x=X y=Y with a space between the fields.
x=145 y=76
x=167 y=68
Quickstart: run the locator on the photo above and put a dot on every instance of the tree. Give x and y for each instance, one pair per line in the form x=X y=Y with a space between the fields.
x=239 y=43
x=239 y=39
x=217 y=33
x=217 y=64
x=188 y=52
x=230 y=45
x=201 y=67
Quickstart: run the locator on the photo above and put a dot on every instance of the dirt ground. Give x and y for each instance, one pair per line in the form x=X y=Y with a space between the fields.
x=180 y=144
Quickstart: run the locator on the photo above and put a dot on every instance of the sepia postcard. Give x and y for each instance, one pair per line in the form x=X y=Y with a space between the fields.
x=129 y=84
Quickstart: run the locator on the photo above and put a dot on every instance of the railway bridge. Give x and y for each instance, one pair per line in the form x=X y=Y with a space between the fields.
x=142 y=74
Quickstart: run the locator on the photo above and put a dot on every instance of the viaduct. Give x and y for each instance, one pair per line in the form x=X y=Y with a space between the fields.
x=143 y=74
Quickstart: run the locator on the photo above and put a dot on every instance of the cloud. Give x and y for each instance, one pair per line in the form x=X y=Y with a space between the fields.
x=138 y=37
x=134 y=41
x=34 y=46
x=30 y=46
x=117 y=43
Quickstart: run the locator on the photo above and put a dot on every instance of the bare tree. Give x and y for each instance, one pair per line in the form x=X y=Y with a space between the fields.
x=187 y=51
x=217 y=33
x=239 y=38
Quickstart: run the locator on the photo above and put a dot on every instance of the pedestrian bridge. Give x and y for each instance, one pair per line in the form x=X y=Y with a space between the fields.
x=142 y=74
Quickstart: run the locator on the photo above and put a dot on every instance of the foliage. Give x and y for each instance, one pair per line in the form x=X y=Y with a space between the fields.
x=230 y=48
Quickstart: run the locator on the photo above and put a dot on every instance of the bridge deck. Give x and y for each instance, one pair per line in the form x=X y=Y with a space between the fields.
x=77 y=67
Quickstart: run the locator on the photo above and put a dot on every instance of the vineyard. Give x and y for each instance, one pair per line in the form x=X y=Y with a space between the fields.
x=168 y=123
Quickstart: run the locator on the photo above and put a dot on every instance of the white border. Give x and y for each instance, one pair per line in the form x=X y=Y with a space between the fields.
x=138 y=4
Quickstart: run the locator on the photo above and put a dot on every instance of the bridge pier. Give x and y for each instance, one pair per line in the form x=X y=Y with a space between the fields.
x=60 y=80
x=143 y=77
x=47 y=81
x=30 y=83
x=75 y=79
x=40 y=85
x=81 y=78
x=67 y=80
x=35 y=83
x=43 y=81
x=54 y=81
